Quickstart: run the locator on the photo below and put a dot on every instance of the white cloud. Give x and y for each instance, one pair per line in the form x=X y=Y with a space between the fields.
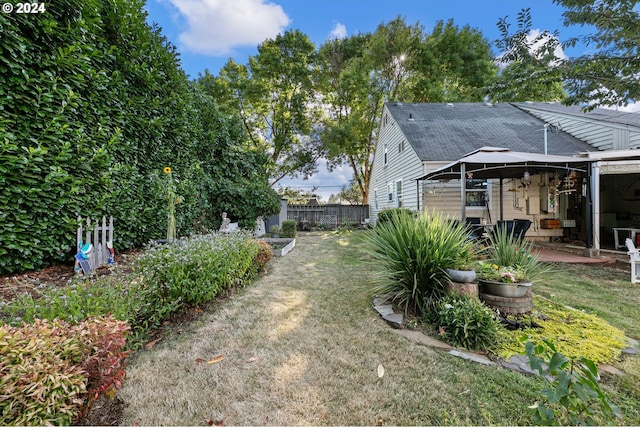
x=215 y=27
x=535 y=46
x=339 y=31
x=631 y=108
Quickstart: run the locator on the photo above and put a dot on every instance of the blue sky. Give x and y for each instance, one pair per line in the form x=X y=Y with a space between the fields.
x=207 y=33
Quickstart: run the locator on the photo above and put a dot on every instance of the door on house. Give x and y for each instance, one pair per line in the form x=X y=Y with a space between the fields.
x=575 y=211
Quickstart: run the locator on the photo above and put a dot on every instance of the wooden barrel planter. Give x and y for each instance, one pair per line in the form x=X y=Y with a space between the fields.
x=508 y=305
x=467 y=289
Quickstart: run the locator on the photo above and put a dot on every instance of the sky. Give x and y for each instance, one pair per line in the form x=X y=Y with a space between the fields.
x=207 y=33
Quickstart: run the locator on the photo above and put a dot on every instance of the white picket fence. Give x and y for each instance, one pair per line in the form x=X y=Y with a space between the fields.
x=98 y=235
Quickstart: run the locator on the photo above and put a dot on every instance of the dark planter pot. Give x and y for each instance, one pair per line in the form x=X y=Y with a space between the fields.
x=461 y=276
x=509 y=290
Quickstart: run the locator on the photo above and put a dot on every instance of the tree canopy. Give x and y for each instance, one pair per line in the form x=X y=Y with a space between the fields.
x=275 y=97
x=608 y=75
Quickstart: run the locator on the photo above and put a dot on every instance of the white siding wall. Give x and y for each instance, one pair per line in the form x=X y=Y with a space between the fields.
x=401 y=165
x=602 y=135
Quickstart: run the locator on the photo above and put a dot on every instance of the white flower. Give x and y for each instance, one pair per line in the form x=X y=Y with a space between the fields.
x=448 y=306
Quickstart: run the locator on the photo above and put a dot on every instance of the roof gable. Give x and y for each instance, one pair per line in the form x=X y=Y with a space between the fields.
x=445 y=132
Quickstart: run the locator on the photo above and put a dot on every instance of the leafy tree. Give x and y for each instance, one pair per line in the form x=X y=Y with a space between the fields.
x=231 y=175
x=396 y=62
x=354 y=103
x=453 y=65
x=531 y=68
x=350 y=193
x=275 y=95
x=608 y=76
x=296 y=196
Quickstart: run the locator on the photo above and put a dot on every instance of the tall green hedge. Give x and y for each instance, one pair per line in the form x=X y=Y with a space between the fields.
x=93 y=106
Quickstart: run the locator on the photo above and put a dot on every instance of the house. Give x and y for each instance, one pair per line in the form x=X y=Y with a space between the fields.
x=415 y=139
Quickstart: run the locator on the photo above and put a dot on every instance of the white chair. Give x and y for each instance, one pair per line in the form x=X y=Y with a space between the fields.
x=634 y=259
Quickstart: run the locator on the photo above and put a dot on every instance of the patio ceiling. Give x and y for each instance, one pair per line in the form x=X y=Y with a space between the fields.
x=495 y=162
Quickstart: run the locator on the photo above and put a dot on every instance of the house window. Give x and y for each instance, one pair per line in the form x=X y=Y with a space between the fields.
x=399 y=194
x=390 y=192
x=386 y=154
x=401 y=147
x=476 y=192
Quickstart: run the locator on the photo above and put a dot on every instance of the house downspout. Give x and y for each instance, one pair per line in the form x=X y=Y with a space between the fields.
x=418 y=194
x=589 y=251
x=463 y=190
x=501 y=201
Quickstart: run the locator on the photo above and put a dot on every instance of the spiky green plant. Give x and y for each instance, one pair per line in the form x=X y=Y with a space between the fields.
x=411 y=255
x=505 y=249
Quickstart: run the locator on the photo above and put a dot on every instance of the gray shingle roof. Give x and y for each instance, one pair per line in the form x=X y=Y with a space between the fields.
x=441 y=132
x=599 y=114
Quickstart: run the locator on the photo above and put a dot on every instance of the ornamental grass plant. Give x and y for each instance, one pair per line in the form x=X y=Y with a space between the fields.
x=411 y=256
x=513 y=257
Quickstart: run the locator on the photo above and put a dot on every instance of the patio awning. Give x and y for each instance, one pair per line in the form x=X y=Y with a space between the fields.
x=495 y=162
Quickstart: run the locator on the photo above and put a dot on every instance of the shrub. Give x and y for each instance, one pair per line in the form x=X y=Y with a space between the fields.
x=466 y=322
x=573 y=395
x=191 y=271
x=50 y=372
x=41 y=376
x=262 y=258
x=72 y=303
x=288 y=229
x=103 y=341
x=166 y=278
x=411 y=255
x=387 y=215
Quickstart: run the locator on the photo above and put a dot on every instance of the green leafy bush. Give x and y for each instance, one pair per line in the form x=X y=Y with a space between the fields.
x=72 y=303
x=50 y=372
x=466 y=322
x=412 y=254
x=386 y=215
x=288 y=229
x=90 y=116
x=166 y=279
x=573 y=395
x=191 y=271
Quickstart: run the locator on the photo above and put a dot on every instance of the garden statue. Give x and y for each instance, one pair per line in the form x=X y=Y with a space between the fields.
x=225 y=222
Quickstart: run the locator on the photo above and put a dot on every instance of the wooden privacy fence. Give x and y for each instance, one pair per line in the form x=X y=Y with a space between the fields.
x=331 y=216
x=98 y=234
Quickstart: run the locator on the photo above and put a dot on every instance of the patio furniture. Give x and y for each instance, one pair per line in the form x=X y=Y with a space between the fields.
x=518 y=227
x=634 y=260
x=476 y=229
x=616 y=237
